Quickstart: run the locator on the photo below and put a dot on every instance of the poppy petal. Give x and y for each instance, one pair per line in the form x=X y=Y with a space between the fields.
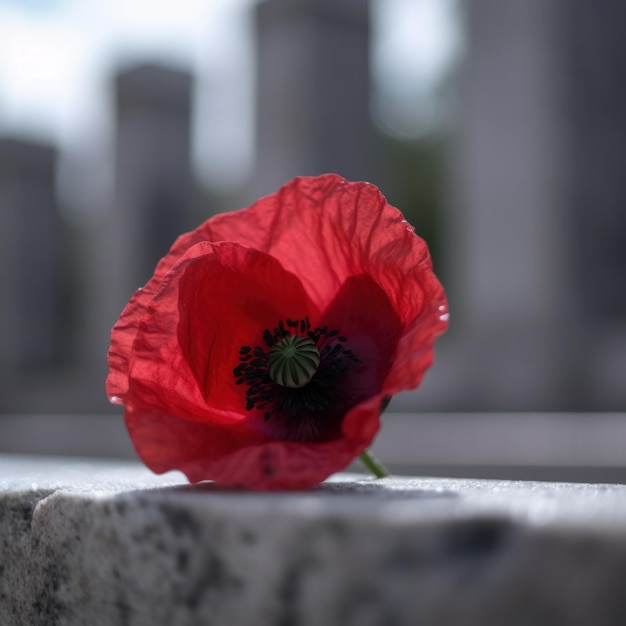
x=363 y=313
x=234 y=457
x=423 y=309
x=324 y=230
x=216 y=299
x=125 y=329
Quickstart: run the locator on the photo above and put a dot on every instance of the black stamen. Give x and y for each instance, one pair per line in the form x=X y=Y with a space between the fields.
x=301 y=410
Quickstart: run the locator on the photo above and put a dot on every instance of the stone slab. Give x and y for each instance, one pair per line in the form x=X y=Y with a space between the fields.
x=110 y=543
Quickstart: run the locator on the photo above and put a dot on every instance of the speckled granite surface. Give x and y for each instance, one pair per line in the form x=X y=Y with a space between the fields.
x=111 y=544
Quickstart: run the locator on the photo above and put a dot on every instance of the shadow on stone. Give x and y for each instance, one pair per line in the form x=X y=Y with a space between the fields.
x=339 y=488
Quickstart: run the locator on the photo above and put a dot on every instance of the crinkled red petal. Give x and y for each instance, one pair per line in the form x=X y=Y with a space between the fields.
x=122 y=339
x=415 y=353
x=216 y=299
x=324 y=230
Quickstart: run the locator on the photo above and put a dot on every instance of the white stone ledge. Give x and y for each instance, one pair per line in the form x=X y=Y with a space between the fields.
x=111 y=544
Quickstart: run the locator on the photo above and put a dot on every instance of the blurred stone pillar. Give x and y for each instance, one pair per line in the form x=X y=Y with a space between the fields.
x=152 y=201
x=537 y=227
x=30 y=259
x=594 y=64
x=510 y=288
x=512 y=339
x=313 y=91
x=152 y=166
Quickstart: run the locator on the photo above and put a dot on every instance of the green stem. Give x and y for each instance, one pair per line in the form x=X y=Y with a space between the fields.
x=373 y=465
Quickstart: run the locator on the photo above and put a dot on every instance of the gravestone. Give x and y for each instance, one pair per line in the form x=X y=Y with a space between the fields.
x=507 y=242
x=153 y=195
x=153 y=168
x=536 y=230
x=30 y=259
x=313 y=91
x=594 y=66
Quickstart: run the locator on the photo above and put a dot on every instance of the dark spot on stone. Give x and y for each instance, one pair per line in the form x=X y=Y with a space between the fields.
x=218 y=574
x=335 y=527
x=402 y=560
x=216 y=580
x=121 y=507
x=290 y=589
x=124 y=610
x=151 y=532
x=304 y=564
x=47 y=604
x=365 y=599
x=476 y=539
x=181 y=521
x=333 y=530
x=26 y=511
x=182 y=560
x=17 y=510
x=248 y=537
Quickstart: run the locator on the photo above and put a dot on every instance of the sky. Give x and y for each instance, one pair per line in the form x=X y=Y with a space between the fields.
x=57 y=58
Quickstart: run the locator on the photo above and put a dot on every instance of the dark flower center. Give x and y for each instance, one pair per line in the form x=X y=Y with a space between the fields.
x=300 y=372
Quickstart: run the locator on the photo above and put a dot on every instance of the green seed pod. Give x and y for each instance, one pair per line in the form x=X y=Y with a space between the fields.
x=293 y=361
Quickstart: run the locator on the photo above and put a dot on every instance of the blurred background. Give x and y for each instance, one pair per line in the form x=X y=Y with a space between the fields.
x=497 y=126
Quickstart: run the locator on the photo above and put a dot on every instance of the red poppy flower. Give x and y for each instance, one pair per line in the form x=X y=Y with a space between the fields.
x=262 y=349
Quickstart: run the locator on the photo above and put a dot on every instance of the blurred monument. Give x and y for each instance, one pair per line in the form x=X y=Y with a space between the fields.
x=153 y=182
x=31 y=288
x=537 y=229
x=152 y=205
x=153 y=197
x=313 y=91
x=594 y=67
